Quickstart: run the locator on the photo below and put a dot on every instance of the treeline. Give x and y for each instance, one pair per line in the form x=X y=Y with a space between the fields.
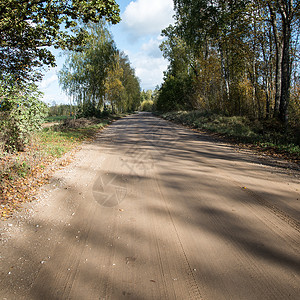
x=99 y=77
x=235 y=58
x=61 y=110
x=145 y=103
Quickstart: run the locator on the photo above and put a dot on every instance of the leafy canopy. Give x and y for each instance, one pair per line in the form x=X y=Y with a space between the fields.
x=100 y=75
x=29 y=28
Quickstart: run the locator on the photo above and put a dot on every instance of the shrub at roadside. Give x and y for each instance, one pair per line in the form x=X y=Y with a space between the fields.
x=21 y=114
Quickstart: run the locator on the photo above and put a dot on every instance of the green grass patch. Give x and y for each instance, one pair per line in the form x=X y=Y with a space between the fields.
x=22 y=169
x=56 y=141
x=47 y=145
x=266 y=135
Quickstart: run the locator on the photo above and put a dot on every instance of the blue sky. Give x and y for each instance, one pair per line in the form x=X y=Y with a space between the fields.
x=138 y=35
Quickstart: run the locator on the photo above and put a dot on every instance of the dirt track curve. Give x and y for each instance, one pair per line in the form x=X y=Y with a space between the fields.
x=151 y=210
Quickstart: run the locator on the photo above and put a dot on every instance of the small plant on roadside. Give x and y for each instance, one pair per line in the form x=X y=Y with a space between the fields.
x=21 y=114
x=22 y=169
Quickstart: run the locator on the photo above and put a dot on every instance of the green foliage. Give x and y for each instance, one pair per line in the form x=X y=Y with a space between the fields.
x=22 y=169
x=132 y=89
x=122 y=87
x=146 y=95
x=131 y=84
x=100 y=76
x=176 y=50
x=28 y=27
x=175 y=94
x=61 y=110
x=84 y=74
x=238 y=56
x=114 y=89
x=22 y=113
x=295 y=107
x=147 y=105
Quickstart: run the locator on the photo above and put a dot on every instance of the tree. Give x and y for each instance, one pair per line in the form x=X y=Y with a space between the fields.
x=176 y=50
x=253 y=41
x=174 y=94
x=146 y=95
x=114 y=89
x=130 y=82
x=242 y=54
x=214 y=31
x=100 y=75
x=283 y=15
x=29 y=28
x=84 y=74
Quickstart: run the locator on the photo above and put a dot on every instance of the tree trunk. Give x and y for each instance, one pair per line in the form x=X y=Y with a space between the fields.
x=286 y=73
x=278 y=78
x=278 y=68
x=267 y=73
x=224 y=73
x=112 y=108
x=267 y=99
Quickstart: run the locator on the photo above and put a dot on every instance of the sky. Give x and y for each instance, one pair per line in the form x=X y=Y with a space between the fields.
x=138 y=35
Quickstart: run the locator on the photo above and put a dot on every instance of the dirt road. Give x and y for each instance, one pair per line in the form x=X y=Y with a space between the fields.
x=151 y=210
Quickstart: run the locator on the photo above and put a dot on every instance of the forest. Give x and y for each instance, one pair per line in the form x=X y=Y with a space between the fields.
x=234 y=58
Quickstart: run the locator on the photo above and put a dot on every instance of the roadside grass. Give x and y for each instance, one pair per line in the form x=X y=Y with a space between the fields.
x=57 y=140
x=22 y=173
x=268 y=136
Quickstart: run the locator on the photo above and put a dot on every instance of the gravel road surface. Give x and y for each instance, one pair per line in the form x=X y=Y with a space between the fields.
x=151 y=210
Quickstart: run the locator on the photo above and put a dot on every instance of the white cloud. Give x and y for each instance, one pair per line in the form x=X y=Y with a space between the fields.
x=143 y=21
x=148 y=68
x=145 y=17
x=50 y=87
x=46 y=82
x=152 y=48
x=56 y=96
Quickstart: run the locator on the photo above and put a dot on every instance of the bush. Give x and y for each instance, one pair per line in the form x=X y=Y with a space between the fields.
x=175 y=94
x=146 y=105
x=21 y=114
